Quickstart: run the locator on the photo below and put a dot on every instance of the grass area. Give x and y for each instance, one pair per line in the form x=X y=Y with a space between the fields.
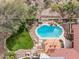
x=20 y=41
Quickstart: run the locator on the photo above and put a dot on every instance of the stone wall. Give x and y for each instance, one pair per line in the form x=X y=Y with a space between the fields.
x=3 y=37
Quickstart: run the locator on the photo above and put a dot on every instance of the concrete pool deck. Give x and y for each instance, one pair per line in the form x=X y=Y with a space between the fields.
x=34 y=36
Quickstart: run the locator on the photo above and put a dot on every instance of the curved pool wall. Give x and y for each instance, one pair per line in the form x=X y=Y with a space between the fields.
x=60 y=37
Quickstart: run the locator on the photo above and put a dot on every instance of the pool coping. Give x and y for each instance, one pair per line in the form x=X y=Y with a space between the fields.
x=49 y=37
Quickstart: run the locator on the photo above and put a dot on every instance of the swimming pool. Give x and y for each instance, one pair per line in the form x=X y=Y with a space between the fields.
x=47 y=31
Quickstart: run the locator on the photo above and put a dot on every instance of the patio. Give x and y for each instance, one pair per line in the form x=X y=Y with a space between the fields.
x=51 y=44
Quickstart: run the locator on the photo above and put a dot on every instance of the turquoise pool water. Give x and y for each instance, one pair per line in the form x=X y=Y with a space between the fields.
x=49 y=31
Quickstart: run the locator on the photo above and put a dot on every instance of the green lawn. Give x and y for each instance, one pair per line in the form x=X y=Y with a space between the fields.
x=20 y=41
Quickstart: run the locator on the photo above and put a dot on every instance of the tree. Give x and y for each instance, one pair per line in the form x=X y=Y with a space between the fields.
x=55 y=7
x=47 y=3
x=32 y=10
x=13 y=15
x=67 y=10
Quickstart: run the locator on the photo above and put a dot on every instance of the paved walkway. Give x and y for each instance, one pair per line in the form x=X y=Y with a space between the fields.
x=32 y=33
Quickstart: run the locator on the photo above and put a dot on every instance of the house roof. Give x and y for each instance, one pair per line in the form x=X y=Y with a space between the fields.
x=75 y=28
x=67 y=53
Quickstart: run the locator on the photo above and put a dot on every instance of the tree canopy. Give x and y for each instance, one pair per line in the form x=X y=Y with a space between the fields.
x=14 y=14
x=68 y=9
